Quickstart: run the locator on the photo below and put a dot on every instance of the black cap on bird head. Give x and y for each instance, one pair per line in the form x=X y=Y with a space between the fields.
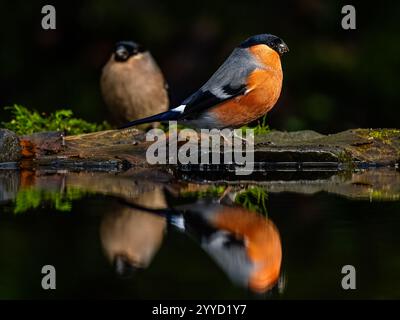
x=123 y=50
x=270 y=40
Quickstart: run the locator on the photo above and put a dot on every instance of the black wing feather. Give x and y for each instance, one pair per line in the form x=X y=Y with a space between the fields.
x=203 y=100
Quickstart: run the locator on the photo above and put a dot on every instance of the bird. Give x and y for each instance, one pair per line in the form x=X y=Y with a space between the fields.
x=132 y=84
x=244 y=88
x=130 y=237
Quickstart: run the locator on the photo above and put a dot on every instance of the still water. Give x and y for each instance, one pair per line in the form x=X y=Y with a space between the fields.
x=159 y=235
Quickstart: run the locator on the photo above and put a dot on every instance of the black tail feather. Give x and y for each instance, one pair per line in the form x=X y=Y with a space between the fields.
x=164 y=116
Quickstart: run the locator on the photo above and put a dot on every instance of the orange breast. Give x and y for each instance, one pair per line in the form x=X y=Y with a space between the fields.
x=264 y=87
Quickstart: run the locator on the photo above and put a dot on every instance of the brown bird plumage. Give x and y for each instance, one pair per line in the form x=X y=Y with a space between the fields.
x=132 y=84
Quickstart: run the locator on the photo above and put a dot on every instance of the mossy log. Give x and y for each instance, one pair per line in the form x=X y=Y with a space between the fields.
x=118 y=150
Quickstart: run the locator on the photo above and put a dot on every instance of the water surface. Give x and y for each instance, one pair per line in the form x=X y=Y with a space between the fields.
x=146 y=235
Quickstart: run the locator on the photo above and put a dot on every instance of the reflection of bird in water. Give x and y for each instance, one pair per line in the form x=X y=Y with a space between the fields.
x=245 y=244
x=132 y=84
x=131 y=237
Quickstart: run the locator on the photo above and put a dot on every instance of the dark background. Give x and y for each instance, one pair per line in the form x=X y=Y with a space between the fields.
x=334 y=79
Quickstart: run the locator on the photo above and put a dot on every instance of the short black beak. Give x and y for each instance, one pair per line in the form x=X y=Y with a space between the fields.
x=283 y=48
x=121 y=54
x=123 y=267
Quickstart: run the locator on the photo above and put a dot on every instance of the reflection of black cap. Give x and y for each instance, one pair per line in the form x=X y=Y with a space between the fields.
x=123 y=267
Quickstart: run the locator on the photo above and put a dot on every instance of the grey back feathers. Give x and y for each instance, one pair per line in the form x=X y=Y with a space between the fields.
x=232 y=74
x=227 y=82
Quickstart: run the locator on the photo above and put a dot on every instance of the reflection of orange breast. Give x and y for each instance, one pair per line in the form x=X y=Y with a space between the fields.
x=262 y=241
x=264 y=87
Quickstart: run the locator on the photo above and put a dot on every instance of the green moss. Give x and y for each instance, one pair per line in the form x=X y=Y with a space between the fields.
x=346 y=160
x=32 y=198
x=27 y=121
x=253 y=199
x=261 y=128
x=386 y=135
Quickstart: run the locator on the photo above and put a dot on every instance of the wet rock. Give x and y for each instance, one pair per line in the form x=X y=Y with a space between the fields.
x=287 y=138
x=10 y=149
x=42 y=143
x=118 y=150
x=372 y=146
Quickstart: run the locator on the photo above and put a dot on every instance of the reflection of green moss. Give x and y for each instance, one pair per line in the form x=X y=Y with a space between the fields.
x=346 y=158
x=254 y=199
x=27 y=122
x=32 y=198
x=383 y=195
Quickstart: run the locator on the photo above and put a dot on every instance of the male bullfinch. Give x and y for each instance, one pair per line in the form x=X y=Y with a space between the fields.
x=132 y=84
x=244 y=88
